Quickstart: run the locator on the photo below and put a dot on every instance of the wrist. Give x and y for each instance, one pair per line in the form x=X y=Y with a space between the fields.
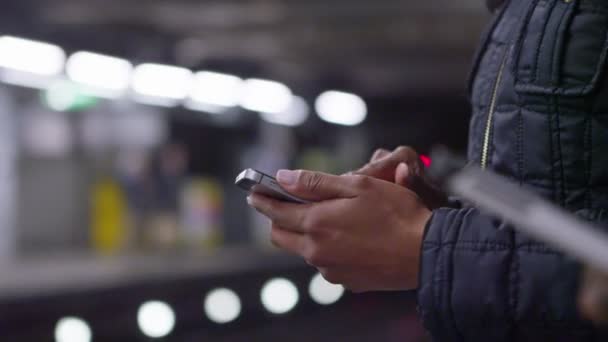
x=421 y=224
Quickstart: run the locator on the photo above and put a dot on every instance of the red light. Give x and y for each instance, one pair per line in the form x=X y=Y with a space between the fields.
x=425 y=160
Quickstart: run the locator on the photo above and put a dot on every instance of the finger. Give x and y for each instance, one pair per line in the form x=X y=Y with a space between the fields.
x=348 y=278
x=317 y=186
x=593 y=297
x=384 y=167
x=289 y=241
x=285 y=214
x=402 y=175
x=593 y=303
x=410 y=157
x=379 y=154
x=381 y=168
x=432 y=196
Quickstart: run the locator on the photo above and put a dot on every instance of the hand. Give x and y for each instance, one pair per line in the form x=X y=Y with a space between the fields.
x=403 y=167
x=361 y=232
x=593 y=297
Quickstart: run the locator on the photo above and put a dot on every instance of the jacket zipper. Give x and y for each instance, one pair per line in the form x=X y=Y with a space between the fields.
x=488 y=130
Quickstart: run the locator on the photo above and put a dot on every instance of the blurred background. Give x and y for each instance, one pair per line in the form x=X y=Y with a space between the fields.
x=123 y=124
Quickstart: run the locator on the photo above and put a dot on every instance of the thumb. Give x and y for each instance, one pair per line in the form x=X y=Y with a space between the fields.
x=379 y=154
x=315 y=186
x=412 y=178
x=402 y=175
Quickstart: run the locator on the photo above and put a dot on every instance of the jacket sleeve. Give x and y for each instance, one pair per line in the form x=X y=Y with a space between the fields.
x=482 y=281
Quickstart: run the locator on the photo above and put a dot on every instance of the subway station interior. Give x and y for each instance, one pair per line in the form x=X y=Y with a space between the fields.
x=123 y=124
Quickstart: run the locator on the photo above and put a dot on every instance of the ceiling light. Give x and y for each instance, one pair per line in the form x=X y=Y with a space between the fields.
x=341 y=108
x=105 y=76
x=31 y=56
x=265 y=96
x=162 y=85
x=215 y=89
x=295 y=115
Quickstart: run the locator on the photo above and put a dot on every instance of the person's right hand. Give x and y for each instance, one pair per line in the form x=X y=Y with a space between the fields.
x=403 y=167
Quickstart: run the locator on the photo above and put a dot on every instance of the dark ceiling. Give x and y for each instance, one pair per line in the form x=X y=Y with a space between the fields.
x=373 y=46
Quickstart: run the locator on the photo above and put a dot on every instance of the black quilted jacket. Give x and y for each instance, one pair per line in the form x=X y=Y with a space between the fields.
x=540 y=117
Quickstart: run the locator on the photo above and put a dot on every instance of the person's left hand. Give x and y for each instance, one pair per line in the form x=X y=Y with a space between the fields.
x=404 y=167
x=361 y=232
x=593 y=296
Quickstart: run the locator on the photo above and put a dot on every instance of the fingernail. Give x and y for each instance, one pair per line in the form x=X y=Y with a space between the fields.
x=249 y=200
x=287 y=177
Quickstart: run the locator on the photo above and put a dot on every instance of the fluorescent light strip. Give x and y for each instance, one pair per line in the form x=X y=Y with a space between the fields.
x=34 y=57
x=216 y=89
x=266 y=96
x=295 y=115
x=102 y=75
x=162 y=85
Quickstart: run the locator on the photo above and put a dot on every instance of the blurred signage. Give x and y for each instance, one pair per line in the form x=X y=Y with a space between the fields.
x=46 y=134
x=123 y=125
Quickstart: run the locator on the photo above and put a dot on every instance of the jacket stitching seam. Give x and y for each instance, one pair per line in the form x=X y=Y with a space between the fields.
x=589 y=153
x=520 y=149
x=450 y=284
x=520 y=40
x=556 y=45
x=552 y=154
x=487 y=39
x=461 y=249
x=543 y=42
x=599 y=67
x=555 y=105
x=436 y=275
x=478 y=242
x=516 y=282
x=464 y=245
x=511 y=283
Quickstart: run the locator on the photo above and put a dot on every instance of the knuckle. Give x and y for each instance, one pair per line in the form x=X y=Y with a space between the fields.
x=315 y=256
x=312 y=181
x=379 y=152
x=355 y=289
x=309 y=224
x=361 y=182
x=274 y=238
x=405 y=152
x=369 y=169
x=312 y=223
x=330 y=276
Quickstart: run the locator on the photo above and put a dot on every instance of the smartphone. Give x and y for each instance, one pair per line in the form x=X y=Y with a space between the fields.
x=255 y=181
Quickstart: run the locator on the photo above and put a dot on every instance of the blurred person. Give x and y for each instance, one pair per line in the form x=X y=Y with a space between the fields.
x=153 y=182
x=539 y=100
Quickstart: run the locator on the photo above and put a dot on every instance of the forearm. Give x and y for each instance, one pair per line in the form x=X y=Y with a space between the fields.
x=479 y=280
